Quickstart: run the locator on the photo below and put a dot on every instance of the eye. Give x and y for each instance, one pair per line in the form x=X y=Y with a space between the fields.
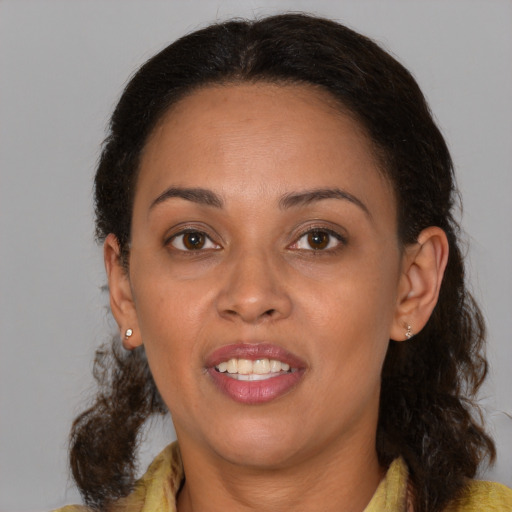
x=192 y=241
x=318 y=240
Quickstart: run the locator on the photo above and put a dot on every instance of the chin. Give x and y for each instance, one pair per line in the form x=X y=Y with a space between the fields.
x=268 y=447
x=258 y=455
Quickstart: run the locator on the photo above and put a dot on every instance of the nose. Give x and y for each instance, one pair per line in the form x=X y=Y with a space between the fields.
x=253 y=290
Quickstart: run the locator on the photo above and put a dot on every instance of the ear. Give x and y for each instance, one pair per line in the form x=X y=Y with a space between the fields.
x=423 y=268
x=121 y=296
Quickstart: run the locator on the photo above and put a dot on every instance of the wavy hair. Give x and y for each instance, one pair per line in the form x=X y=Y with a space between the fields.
x=427 y=410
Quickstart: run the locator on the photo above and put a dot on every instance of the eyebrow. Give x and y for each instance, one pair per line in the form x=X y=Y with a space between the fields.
x=196 y=195
x=210 y=198
x=310 y=196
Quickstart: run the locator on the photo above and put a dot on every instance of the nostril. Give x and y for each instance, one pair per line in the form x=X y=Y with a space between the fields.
x=266 y=314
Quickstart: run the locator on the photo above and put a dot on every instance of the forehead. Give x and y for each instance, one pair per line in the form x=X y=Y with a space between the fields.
x=276 y=136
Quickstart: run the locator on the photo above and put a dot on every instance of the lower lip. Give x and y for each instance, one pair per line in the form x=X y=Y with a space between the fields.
x=255 y=392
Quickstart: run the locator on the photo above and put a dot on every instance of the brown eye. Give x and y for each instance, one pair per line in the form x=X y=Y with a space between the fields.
x=318 y=239
x=192 y=241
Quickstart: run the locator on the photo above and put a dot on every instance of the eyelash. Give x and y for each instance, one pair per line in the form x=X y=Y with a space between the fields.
x=211 y=245
x=180 y=238
x=340 y=240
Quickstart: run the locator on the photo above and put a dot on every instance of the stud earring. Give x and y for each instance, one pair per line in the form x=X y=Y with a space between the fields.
x=128 y=333
x=408 y=332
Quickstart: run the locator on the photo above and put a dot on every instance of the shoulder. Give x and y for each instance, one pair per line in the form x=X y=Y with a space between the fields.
x=155 y=491
x=73 y=508
x=478 y=495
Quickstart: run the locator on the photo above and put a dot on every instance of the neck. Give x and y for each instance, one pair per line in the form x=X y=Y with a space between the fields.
x=337 y=479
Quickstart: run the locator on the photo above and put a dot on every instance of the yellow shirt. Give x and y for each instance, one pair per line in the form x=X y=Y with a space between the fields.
x=156 y=491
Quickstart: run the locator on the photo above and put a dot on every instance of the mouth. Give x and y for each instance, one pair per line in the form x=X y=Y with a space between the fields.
x=253 y=370
x=254 y=373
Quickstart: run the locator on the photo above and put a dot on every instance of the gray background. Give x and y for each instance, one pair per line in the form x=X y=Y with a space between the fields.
x=62 y=67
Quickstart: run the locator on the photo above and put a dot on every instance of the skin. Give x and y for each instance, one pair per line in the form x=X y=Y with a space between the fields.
x=257 y=279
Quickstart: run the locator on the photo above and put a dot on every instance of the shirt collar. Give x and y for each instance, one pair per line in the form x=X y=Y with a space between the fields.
x=156 y=491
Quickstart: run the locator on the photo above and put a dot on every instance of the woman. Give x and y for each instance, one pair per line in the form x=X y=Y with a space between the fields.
x=275 y=203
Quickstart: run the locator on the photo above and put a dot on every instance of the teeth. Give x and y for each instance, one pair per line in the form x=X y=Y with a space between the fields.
x=254 y=376
x=252 y=369
x=232 y=366
x=244 y=366
x=261 y=366
x=275 y=366
x=223 y=367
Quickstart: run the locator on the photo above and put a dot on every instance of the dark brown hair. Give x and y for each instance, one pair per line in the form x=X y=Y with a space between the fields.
x=427 y=414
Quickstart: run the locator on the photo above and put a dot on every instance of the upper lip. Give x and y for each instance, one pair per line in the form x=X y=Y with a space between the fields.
x=253 y=351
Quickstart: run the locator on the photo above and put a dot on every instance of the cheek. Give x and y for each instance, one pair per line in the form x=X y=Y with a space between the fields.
x=166 y=302
x=172 y=316
x=350 y=317
x=360 y=295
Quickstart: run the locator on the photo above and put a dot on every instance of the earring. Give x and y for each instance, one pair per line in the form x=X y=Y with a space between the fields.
x=408 y=332
x=128 y=333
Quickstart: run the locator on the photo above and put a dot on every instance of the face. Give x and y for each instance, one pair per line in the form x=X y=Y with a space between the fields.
x=264 y=271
